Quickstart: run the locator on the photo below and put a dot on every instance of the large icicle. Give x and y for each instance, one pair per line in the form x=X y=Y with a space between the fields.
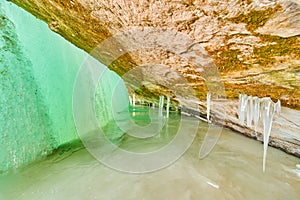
x=255 y=108
x=267 y=113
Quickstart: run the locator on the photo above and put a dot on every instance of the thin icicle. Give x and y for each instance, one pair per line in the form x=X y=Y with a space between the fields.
x=161 y=105
x=133 y=99
x=130 y=100
x=168 y=107
x=249 y=111
x=208 y=96
x=256 y=109
x=242 y=107
x=277 y=107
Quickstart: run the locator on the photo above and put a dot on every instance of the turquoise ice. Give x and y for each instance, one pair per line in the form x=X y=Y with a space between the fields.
x=37 y=72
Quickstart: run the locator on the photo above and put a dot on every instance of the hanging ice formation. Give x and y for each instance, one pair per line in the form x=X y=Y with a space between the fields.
x=161 y=105
x=242 y=107
x=208 y=106
x=267 y=113
x=249 y=110
x=133 y=99
x=255 y=108
x=168 y=107
x=153 y=105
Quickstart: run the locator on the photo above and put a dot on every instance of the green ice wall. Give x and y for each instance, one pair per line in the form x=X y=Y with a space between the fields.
x=37 y=72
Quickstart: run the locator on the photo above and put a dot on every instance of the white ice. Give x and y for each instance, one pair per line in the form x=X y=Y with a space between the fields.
x=168 y=107
x=161 y=105
x=242 y=107
x=208 y=96
x=256 y=109
x=250 y=111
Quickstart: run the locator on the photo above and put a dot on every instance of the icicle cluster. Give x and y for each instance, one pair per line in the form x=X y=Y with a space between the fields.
x=251 y=109
x=255 y=109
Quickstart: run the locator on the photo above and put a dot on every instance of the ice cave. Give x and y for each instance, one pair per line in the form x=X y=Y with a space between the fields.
x=145 y=99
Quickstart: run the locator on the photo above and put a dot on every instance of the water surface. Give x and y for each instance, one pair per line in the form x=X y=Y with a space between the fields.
x=233 y=170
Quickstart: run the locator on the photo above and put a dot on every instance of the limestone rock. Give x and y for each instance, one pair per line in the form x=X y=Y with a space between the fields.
x=285 y=23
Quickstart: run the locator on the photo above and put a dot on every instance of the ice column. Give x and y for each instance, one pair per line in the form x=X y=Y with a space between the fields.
x=168 y=106
x=208 y=106
x=161 y=105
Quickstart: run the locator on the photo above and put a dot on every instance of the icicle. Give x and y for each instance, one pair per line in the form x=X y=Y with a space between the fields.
x=256 y=109
x=242 y=107
x=130 y=100
x=267 y=113
x=277 y=107
x=161 y=105
x=168 y=106
x=250 y=111
x=133 y=99
x=208 y=106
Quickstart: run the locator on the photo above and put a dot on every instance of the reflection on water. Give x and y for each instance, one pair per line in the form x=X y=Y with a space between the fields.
x=144 y=117
x=142 y=124
x=232 y=171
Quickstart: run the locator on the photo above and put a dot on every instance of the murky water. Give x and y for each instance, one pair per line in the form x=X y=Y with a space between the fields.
x=233 y=170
